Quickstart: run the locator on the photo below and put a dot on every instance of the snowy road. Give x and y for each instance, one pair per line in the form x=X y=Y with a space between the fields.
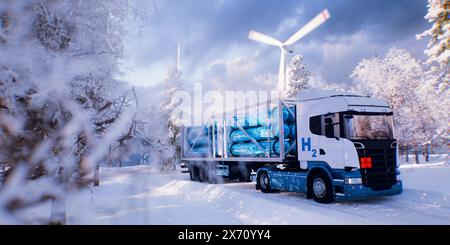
x=135 y=195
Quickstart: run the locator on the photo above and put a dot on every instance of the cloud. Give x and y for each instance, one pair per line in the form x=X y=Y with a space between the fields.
x=214 y=34
x=233 y=74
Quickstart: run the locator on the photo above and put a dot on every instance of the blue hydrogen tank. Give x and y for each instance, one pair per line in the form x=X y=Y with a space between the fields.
x=276 y=146
x=202 y=141
x=198 y=152
x=247 y=122
x=276 y=131
x=252 y=150
x=291 y=118
x=195 y=131
x=292 y=131
x=258 y=133
x=275 y=112
x=294 y=150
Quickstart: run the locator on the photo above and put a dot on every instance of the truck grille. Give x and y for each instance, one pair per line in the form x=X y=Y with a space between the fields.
x=382 y=175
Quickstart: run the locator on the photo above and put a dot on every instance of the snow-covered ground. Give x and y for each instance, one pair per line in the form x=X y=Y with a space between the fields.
x=138 y=195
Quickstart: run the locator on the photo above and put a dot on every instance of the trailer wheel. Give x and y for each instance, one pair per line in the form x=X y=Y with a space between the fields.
x=193 y=173
x=263 y=182
x=203 y=174
x=320 y=187
x=212 y=176
x=244 y=175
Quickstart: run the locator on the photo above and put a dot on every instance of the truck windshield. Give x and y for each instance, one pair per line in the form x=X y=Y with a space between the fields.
x=368 y=126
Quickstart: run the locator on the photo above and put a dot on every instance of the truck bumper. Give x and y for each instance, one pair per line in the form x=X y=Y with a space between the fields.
x=359 y=191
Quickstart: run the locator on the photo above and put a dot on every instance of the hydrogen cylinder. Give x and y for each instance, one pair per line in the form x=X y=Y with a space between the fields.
x=258 y=133
x=291 y=118
x=200 y=141
x=292 y=131
x=251 y=149
x=276 y=130
x=294 y=149
x=199 y=151
x=194 y=132
x=247 y=122
x=275 y=112
x=276 y=146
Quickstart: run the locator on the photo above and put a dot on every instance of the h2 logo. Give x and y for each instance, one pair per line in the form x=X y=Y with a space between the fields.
x=306 y=146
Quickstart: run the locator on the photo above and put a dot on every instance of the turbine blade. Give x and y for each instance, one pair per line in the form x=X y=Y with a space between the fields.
x=262 y=38
x=313 y=24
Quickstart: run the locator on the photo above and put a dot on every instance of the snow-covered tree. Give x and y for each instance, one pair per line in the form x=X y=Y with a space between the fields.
x=60 y=104
x=438 y=106
x=172 y=84
x=394 y=77
x=398 y=78
x=438 y=50
x=298 y=76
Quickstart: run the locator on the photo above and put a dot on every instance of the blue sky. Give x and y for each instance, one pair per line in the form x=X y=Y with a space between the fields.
x=216 y=51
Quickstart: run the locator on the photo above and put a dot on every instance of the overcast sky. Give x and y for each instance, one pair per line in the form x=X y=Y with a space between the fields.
x=216 y=50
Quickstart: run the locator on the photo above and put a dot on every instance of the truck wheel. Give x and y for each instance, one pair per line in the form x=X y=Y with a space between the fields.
x=244 y=175
x=263 y=182
x=193 y=173
x=203 y=174
x=320 y=188
x=212 y=176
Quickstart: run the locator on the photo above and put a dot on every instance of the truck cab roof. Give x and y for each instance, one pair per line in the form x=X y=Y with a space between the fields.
x=327 y=101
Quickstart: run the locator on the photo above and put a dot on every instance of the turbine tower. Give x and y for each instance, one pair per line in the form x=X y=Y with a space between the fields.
x=305 y=30
x=178 y=56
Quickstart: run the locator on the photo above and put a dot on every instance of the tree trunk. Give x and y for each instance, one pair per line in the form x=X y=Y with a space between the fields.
x=416 y=154
x=407 y=154
x=58 y=212
x=97 y=175
x=427 y=153
x=58 y=215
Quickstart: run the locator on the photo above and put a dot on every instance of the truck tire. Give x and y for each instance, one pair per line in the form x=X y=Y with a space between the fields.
x=203 y=174
x=320 y=187
x=244 y=175
x=263 y=182
x=193 y=173
x=213 y=178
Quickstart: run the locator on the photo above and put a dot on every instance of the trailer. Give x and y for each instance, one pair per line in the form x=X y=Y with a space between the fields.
x=330 y=145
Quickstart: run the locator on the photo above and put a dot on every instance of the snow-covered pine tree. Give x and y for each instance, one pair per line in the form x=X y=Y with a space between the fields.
x=438 y=50
x=57 y=98
x=397 y=78
x=298 y=76
x=172 y=84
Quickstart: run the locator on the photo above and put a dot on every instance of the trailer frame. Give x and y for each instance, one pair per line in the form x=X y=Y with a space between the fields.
x=213 y=130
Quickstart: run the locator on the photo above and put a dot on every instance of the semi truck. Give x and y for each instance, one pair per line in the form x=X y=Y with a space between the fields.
x=329 y=145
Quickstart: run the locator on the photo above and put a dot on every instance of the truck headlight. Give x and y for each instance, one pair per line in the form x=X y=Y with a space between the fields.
x=353 y=181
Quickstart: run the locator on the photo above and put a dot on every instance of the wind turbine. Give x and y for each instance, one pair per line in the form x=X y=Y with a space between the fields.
x=178 y=56
x=262 y=38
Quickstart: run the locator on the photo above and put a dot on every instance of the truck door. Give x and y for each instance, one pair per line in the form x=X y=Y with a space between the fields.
x=322 y=142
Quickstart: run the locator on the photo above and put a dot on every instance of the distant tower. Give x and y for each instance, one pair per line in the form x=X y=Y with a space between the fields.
x=178 y=57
